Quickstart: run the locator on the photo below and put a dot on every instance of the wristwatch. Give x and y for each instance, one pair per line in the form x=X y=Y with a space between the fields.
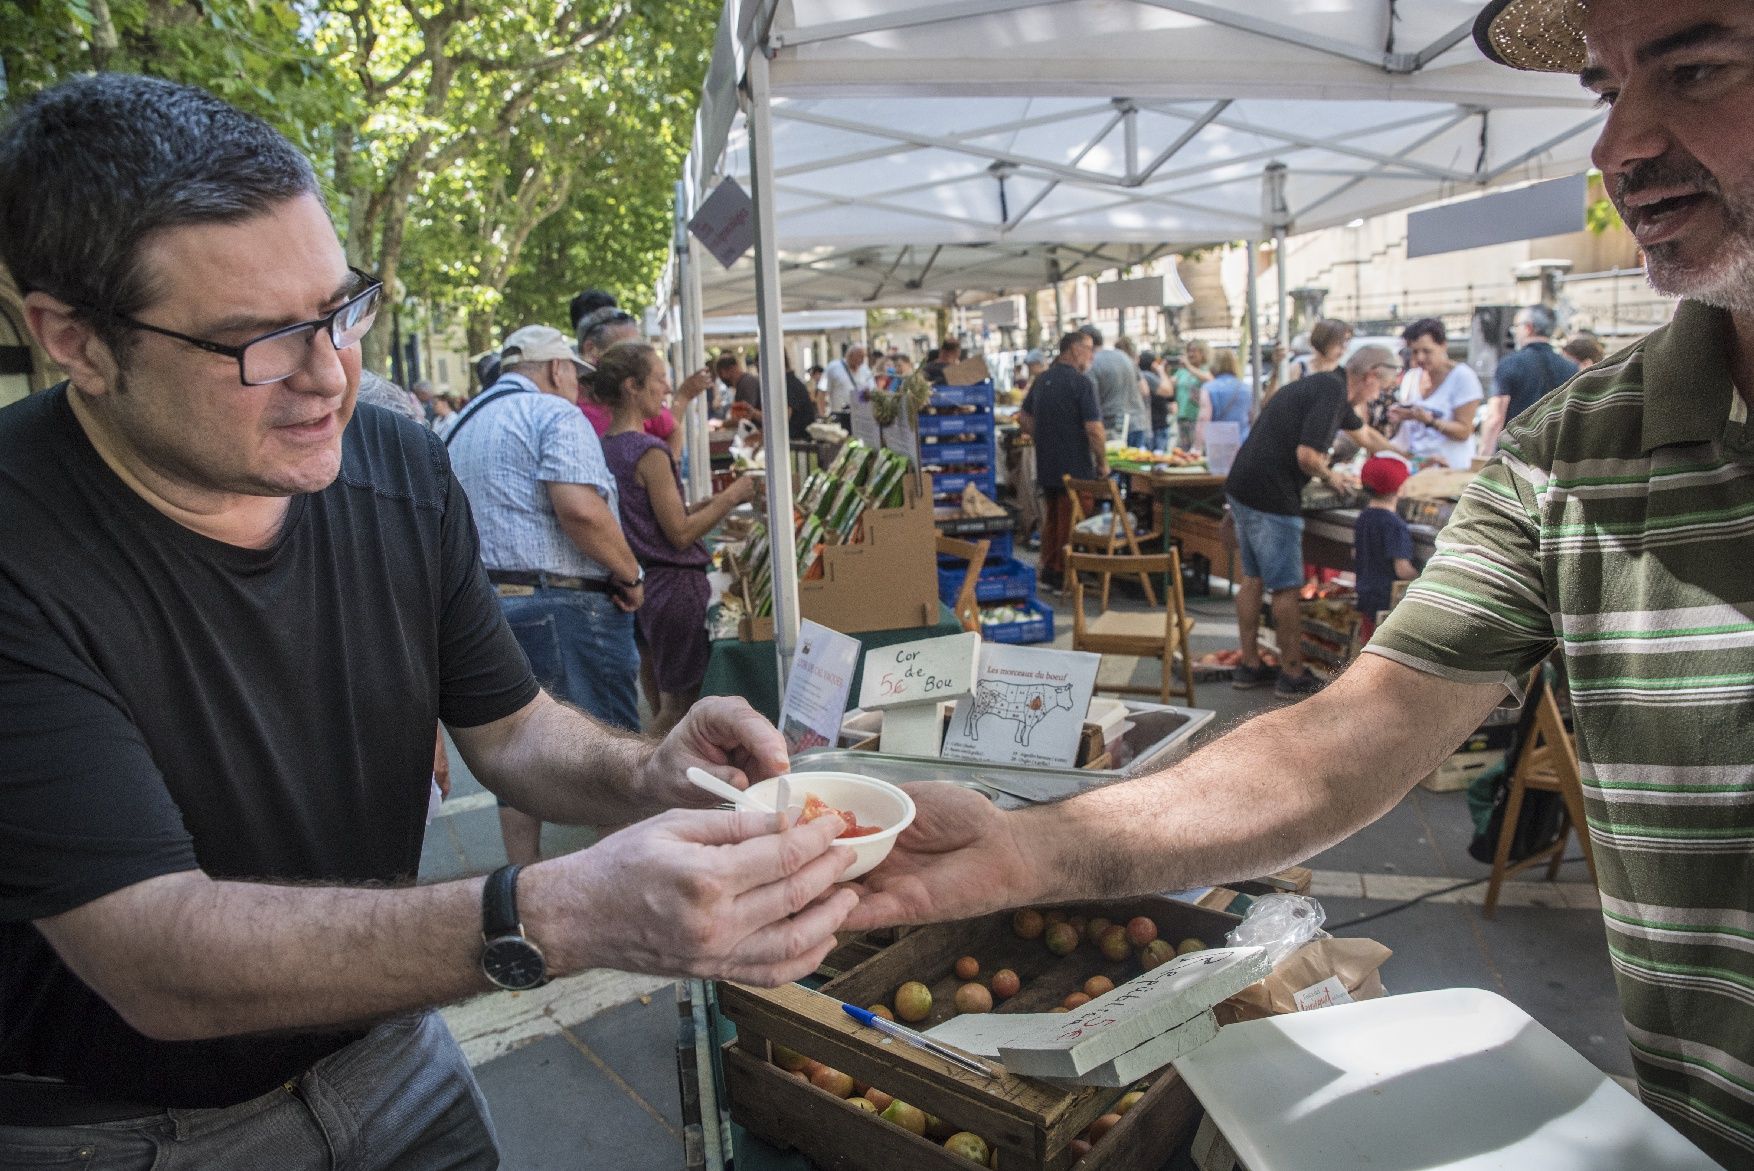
x=638 y=581
x=509 y=958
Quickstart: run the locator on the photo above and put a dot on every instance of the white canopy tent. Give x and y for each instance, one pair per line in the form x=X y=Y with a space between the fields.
x=900 y=151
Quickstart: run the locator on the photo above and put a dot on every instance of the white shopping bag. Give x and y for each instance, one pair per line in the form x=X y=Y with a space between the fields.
x=1222 y=442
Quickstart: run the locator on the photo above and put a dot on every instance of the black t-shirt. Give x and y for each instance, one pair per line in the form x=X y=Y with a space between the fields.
x=1159 y=405
x=800 y=408
x=749 y=389
x=1305 y=413
x=170 y=702
x=1061 y=402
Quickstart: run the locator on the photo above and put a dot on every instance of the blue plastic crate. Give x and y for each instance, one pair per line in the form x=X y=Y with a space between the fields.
x=978 y=395
x=979 y=423
x=958 y=453
x=999 y=545
x=1002 y=579
x=1038 y=627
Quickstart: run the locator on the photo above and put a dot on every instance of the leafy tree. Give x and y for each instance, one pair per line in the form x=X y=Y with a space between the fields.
x=458 y=136
x=483 y=122
x=256 y=54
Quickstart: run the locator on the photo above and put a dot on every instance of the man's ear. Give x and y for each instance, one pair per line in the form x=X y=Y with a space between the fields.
x=71 y=341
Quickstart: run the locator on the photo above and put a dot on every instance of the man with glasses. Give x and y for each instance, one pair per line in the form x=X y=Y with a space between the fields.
x=232 y=609
x=1287 y=446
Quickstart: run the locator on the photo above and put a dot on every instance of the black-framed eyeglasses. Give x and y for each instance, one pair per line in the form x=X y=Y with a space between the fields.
x=281 y=353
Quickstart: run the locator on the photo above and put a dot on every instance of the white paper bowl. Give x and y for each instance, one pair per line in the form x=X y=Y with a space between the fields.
x=872 y=801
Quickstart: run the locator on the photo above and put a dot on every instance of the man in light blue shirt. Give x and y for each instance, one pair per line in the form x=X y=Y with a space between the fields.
x=1118 y=389
x=545 y=506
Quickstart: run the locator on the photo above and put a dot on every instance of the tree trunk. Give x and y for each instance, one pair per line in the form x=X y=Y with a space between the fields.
x=1031 y=322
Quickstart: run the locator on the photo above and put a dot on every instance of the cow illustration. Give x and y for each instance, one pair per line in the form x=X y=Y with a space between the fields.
x=1026 y=703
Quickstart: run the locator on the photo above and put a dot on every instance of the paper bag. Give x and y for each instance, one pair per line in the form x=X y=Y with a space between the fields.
x=1320 y=973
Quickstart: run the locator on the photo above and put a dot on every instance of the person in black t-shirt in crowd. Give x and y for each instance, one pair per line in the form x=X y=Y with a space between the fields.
x=1063 y=417
x=1382 y=544
x=217 y=722
x=1287 y=446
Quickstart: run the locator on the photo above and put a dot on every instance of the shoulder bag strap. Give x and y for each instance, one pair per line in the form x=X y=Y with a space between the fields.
x=478 y=405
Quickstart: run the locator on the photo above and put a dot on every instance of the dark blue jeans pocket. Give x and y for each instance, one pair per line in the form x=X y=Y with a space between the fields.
x=540 y=638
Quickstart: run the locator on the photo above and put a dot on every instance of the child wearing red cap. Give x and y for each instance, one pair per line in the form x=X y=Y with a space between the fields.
x=1382 y=545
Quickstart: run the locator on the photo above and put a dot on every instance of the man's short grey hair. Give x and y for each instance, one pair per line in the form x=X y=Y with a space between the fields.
x=1368 y=358
x=1541 y=319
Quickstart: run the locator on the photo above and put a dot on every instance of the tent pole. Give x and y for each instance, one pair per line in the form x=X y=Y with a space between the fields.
x=688 y=292
x=1284 y=335
x=774 y=425
x=1254 y=311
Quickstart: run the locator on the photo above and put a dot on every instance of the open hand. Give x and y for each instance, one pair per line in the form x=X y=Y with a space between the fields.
x=959 y=858
x=726 y=737
x=711 y=894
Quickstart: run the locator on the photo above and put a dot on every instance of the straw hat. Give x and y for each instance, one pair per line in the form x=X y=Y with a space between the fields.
x=1541 y=35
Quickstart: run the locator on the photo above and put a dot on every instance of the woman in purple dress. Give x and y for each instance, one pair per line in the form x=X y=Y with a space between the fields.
x=665 y=534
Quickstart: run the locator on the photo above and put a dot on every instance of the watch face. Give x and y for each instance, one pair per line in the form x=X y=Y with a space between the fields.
x=513 y=962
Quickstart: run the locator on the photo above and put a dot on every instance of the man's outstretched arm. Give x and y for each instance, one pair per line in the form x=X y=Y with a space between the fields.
x=1282 y=787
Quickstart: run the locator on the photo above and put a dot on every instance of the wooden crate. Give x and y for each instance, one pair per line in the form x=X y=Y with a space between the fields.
x=1459 y=771
x=1028 y=1121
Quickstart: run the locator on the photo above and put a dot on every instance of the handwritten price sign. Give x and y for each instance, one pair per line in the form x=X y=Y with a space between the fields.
x=919 y=672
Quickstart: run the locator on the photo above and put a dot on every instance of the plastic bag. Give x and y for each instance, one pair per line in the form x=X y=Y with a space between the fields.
x=1280 y=923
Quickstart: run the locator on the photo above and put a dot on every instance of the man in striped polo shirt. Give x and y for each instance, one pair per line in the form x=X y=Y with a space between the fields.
x=1615 y=524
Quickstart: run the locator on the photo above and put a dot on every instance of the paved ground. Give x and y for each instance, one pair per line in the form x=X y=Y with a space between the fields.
x=582 y=1073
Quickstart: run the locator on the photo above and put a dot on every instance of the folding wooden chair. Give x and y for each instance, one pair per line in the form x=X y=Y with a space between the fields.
x=1120 y=538
x=1161 y=635
x=1546 y=763
x=966 y=607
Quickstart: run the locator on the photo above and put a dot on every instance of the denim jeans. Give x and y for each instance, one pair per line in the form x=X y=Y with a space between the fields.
x=1271 y=546
x=1136 y=437
x=400 y=1098
x=1160 y=439
x=580 y=647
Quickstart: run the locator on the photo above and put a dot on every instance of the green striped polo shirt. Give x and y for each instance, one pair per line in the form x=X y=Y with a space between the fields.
x=1617 y=521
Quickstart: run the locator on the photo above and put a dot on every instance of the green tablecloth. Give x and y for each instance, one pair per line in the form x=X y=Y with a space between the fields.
x=748 y=668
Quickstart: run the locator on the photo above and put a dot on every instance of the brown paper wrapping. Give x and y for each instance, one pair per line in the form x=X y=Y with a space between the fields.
x=1353 y=961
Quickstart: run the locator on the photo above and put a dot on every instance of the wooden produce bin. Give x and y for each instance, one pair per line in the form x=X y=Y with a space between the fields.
x=886 y=580
x=1030 y=1123
x=1200 y=534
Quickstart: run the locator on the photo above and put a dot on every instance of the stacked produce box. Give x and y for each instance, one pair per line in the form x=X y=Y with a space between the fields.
x=957 y=449
x=956 y=440
x=829 y=506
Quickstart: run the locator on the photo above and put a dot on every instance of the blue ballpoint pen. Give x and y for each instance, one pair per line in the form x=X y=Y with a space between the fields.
x=902 y=1033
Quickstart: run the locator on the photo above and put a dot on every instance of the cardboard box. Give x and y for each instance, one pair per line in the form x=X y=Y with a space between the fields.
x=888 y=580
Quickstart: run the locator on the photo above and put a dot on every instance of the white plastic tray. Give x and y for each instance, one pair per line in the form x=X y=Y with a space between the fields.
x=1433 y=1081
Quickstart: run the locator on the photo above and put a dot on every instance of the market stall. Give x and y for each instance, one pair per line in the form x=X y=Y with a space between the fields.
x=893 y=158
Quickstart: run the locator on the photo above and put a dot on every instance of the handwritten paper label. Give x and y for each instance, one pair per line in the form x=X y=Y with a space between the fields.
x=1328 y=992
x=816 y=689
x=925 y=671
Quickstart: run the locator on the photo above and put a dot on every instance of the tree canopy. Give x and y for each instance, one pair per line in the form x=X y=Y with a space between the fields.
x=487 y=160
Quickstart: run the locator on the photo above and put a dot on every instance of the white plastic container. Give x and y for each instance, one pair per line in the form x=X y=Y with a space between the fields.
x=872 y=801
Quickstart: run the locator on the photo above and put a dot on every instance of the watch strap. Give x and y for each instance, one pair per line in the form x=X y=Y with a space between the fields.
x=499 y=903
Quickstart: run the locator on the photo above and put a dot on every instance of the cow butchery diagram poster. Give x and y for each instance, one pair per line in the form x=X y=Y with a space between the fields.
x=1028 y=707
